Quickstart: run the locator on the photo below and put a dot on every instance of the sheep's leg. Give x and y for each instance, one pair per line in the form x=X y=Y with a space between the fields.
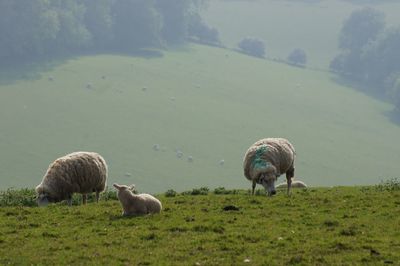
x=253 y=187
x=97 y=196
x=69 y=200
x=84 y=199
x=289 y=176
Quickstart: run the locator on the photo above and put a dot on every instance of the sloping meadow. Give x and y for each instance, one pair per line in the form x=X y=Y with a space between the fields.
x=328 y=226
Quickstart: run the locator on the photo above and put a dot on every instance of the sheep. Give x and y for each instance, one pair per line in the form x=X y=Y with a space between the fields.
x=78 y=172
x=266 y=160
x=190 y=159
x=136 y=204
x=295 y=184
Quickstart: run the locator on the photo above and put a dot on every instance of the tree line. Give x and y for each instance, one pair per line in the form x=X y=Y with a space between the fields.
x=369 y=54
x=51 y=27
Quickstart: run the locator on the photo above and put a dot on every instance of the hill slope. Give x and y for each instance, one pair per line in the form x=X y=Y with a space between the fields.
x=338 y=226
x=210 y=103
x=285 y=25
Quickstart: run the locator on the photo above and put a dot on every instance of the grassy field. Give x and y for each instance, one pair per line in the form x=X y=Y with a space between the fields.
x=210 y=103
x=324 y=226
x=286 y=25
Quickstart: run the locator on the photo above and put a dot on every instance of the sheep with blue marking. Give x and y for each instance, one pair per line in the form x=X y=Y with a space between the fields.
x=266 y=160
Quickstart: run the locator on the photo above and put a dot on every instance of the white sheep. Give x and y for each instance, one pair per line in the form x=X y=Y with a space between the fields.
x=295 y=184
x=78 y=172
x=136 y=204
x=266 y=160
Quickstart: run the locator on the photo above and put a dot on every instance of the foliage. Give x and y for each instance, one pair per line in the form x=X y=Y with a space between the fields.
x=369 y=53
x=202 y=32
x=170 y=193
x=332 y=226
x=252 y=46
x=297 y=57
x=389 y=185
x=197 y=191
x=56 y=27
x=224 y=191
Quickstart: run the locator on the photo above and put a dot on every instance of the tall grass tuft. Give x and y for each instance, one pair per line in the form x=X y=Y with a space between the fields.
x=392 y=184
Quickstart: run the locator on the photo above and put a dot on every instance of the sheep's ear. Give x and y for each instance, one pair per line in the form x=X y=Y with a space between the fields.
x=132 y=187
x=116 y=186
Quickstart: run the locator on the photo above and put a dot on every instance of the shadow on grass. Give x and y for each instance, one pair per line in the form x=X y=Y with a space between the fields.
x=393 y=115
x=29 y=69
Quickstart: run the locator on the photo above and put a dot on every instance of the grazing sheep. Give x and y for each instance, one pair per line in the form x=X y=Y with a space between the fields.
x=179 y=154
x=89 y=86
x=133 y=204
x=266 y=160
x=222 y=162
x=156 y=147
x=78 y=172
x=295 y=184
x=190 y=159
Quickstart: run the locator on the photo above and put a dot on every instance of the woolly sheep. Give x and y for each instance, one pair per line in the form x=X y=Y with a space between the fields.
x=136 y=204
x=78 y=172
x=295 y=184
x=266 y=160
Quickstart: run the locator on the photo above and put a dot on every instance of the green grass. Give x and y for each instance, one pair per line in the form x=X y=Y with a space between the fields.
x=224 y=102
x=286 y=25
x=324 y=226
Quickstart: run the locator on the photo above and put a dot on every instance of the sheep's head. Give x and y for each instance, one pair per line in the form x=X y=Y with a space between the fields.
x=124 y=187
x=267 y=180
x=44 y=197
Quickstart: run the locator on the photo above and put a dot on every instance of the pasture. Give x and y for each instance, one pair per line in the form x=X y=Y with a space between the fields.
x=318 y=226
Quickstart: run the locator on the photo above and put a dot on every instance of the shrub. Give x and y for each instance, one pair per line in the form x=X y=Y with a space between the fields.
x=297 y=57
x=20 y=197
x=170 y=193
x=197 y=191
x=389 y=185
x=252 y=46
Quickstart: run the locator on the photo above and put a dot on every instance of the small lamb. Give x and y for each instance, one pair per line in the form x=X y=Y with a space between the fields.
x=136 y=204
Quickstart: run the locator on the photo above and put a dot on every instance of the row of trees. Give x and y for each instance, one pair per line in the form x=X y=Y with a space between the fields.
x=370 y=54
x=37 y=27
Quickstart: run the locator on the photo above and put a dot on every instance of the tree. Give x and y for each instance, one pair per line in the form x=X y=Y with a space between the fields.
x=99 y=22
x=297 y=57
x=26 y=27
x=252 y=46
x=199 y=30
x=136 y=24
x=361 y=27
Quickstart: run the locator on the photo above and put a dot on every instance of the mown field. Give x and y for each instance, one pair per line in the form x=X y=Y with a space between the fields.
x=209 y=103
x=285 y=25
x=318 y=226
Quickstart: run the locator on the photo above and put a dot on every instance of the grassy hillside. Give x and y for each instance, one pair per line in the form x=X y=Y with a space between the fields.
x=286 y=25
x=209 y=103
x=337 y=226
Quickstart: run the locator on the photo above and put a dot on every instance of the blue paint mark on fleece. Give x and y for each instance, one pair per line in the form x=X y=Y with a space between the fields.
x=258 y=161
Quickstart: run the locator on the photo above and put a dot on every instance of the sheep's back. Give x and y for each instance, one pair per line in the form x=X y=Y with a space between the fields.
x=81 y=172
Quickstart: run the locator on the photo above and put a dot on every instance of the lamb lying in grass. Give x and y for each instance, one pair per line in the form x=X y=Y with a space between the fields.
x=139 y=204
x=295 y=184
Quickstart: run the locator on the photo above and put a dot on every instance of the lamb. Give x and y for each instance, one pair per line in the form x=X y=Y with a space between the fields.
x=266 y=160
x=136 y=204
x=295 y=184
x=78 y=172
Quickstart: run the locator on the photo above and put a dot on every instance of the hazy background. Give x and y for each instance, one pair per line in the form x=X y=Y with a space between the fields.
x=173 y=92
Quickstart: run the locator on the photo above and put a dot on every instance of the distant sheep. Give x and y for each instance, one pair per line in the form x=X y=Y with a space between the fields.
x=295 y=184
x=266 y=160
x=190 y=159
x=222 y=162
x=139 y=204
x=78 y=172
